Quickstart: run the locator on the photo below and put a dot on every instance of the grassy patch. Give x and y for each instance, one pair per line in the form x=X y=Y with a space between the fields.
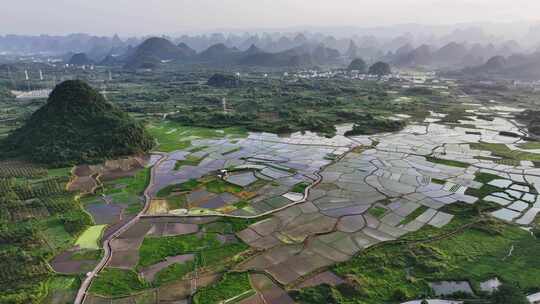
x=133 y=185
x=124 y=197
x=241 y=204
x=501 y=150
x=416 y=213
x=189 y=161
x=508 y=162
x=126 y=190
x=486 y=178
x=173 y=272
x=484 y=191
x=324 y=294
x=300 y=187
x=56 y=235
x=231 y=285
x=90 y=237
x=232 y=225
x=172 y=136
x=377 y=211
x=156 y=249
x=59 y=172
x=530 y=145
x=474 y=254
x=221 y=227
x=87 y=255
x=133 y=209
x=197 y=149
x=217 y=259
x=183 y=187
x=447 y=162
x=218 y=256
x=221 y=186
x=232 y=151
x=438 y=181
x=331 y=156
x=282 y=168
x=139 y=182
x=177 y=201
x=61 y=289
x=117 y=282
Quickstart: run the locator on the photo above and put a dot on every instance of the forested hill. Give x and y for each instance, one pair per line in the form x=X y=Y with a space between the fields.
x=76 y=125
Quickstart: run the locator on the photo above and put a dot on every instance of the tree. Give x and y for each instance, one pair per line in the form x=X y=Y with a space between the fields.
x=536 y=232
x=380 y=69
x=223 y=81
x=508 y=293
x=358 y=65
x=399 y=295
x=322 y=294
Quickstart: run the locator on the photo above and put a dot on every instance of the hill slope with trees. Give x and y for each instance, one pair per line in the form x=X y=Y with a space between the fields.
x=77 y=125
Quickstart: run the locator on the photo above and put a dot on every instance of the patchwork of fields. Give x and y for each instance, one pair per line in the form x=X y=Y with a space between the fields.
x=243 y=217
x=293 y=207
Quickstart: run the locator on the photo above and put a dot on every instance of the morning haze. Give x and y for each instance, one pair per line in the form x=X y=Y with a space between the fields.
x=270 y=151
x=129 y=17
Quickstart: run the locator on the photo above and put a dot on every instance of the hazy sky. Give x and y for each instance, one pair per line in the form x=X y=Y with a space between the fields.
x=142 y=17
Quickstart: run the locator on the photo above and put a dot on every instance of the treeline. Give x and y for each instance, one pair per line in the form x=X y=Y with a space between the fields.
x=532 y=119
x=369 y=125
x=30 y=210
x=304 y=105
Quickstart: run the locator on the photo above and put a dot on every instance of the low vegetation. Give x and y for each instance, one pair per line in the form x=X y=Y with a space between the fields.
x=77 y=125
x=475 y=254
x=447 y=162
x=156 y=249
x=370 y=125
x=38 y=219
x=231 y=285
x=117 y=282
x=501 y=150
x=171 y=136
x=189 y=161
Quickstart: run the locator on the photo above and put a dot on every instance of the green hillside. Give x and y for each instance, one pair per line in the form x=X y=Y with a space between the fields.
x=76 y=125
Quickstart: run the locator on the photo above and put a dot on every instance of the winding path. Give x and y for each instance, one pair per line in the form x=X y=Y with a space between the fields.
x=85 y=285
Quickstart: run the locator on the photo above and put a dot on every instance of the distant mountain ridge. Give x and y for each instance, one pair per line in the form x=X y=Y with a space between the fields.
x=453 y=51
x=154 y=51
x=80 y=59
x=521 y=67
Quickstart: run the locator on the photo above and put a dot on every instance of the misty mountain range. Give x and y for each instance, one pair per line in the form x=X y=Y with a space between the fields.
x=462 y=48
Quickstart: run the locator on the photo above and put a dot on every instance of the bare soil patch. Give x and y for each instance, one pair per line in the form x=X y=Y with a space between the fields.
x=64 y=263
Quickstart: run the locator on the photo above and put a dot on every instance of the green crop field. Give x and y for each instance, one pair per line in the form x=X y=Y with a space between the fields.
x=173 y=136
x=501 y=150
x=231 y=285
x=475 y=255
x=447 y=162
x=90 y=237
x=156 y=249
x=117 y=282
x=38 y=220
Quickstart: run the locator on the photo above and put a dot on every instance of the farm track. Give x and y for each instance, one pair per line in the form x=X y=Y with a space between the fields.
x=85 y=285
